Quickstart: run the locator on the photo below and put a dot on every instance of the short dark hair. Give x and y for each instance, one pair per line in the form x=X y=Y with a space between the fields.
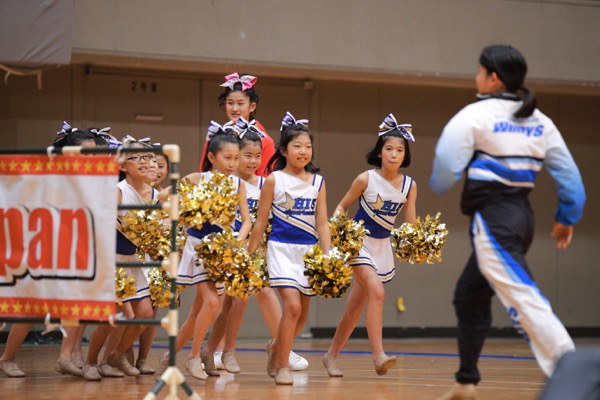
x=374 y=156
x=74 y=137
x=278 y=161
x=215 y=145
x=250 y=136
x=237 y=87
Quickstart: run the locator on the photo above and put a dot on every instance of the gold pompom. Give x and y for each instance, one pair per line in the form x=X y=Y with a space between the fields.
x=212 y=201
x=124 y=285
x=149 y=231
x=159 y=282
x=328 y=276
x=420 y=242
x=227 y=261
x=347 y=234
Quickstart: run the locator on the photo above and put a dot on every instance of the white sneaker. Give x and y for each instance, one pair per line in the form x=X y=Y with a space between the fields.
x=297 y=363
x=218 y=362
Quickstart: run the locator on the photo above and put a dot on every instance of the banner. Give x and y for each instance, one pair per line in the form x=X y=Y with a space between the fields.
x=57 y=236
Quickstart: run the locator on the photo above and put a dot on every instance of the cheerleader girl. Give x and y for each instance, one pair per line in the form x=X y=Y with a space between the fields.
x=223 y=156
x=383 y=192
x=228 y=323
x=133 y=189
x=295 y=195
x=161 y=164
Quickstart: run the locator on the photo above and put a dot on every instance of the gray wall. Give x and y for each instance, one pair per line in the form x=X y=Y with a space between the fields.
x=344 y=65
x=425 y=37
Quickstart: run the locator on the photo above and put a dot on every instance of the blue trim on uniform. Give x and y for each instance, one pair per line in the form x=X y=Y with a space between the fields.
x=515 y=270
x=375 y=229
x=237 y=225
x=282 y=231
x=513 y=175
x=125 y=246
x=206 y=230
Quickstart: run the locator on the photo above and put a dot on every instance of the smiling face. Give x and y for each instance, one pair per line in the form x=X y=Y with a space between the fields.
x=298 y=152
x=238 y=104
x=250 y=158
x=226 y=158
x=163 y=169
x=137 y=165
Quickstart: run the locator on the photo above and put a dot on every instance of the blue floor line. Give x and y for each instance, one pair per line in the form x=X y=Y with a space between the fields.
x=366 y=352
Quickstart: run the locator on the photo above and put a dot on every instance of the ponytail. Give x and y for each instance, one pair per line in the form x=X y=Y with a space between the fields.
x=529 y=104
x=510 y=66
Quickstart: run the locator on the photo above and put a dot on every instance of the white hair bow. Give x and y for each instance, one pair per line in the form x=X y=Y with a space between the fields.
x=214 y=128
x=242 y=127
x=389 y=124
x=289 y=120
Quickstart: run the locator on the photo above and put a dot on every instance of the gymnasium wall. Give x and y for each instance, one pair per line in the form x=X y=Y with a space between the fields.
x=344 y=65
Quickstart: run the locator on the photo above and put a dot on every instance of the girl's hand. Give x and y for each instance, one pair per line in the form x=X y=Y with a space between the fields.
x=563 y=235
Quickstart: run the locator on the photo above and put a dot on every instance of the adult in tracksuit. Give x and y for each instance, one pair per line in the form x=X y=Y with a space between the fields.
x=502 y=142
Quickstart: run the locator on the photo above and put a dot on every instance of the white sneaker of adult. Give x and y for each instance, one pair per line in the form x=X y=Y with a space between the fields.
x=297 y=363
x=218 y=362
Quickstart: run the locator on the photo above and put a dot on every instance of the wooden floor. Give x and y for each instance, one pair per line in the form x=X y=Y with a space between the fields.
x=425 y=371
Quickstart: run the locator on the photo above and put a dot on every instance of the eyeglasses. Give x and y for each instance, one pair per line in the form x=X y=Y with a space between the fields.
x=143 y=157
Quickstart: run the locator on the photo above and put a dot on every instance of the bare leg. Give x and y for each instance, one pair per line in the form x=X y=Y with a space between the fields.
x=211 y=306
x=234 y=321
x=16 y=336
x=295 y=312
x=69 y=342
x=186 y=332
x=97 y=339
x=367 y=289
x=117 y=333
x=368 y=280
x=141 y=309
x=147 y=338
x=270 y=309
x=77 y=351
x=220 y=326
x=354 y=307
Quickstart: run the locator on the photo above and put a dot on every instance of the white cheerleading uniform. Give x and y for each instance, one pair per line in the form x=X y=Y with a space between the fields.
x=502 y=157
x=293 y=230
x=126 y=251
x=191 y=269
x=378 y=207
x=252 y=195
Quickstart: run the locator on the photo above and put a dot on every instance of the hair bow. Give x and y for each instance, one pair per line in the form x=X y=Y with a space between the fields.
x=66 y=128
x=145 y=141
x=389 y=124
x=104 y=133
x=214 y=128
x=242 y=127
x=247 y=81
x=128 y=139
x=289 y=120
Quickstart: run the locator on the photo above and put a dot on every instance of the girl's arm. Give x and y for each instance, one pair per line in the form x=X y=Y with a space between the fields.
x=322 y=221
x=410 y=207
x=193 y=178
x=262 y=218
x=244 y=213
x=359 y=185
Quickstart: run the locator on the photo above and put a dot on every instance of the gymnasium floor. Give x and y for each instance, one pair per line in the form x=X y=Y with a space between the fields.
x=424 y=371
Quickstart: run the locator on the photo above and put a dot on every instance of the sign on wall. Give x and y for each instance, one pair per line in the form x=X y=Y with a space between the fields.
x=57 y=236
